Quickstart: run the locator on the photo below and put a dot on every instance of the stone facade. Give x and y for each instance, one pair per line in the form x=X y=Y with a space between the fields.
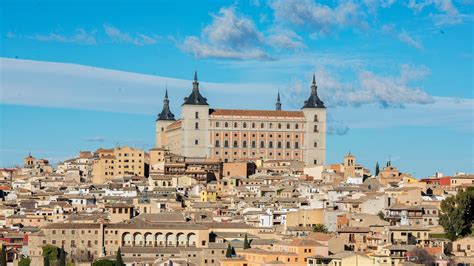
x=236 y=135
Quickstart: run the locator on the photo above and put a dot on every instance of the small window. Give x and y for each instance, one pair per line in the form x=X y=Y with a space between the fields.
x=297 y=145
x=279 y=126
x=226 y=125
x=262 y=125
x=196 y=125
x=287 y=126
x=244 y=125
x=196 y=142
x=315 y=128
x=253 y=125
x=296 y=126
x=196 y=115
x=235 y=124
x=217 y=124
x=217 y=143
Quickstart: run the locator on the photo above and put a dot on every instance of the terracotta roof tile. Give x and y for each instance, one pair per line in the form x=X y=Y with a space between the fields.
x=267 y=113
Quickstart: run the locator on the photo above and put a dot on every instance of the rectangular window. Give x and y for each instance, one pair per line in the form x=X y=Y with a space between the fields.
x=217 y=143
x=279 y=145
x=196 y=142
x=244 y=144
x=196 y=115
x=288 y=146
x=235 y=144
x=226 y=144
x=262 y=144
x=316 y=118
x=315 y=144
x=270 y=144
x=296 y=145
x=196 y=125
x=315 y=128
x=253 y=144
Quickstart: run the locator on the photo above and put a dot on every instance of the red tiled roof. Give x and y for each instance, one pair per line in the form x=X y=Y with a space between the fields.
x=267 y=113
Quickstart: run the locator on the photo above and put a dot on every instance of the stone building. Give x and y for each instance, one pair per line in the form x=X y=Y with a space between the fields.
x=120 y=161
x=235 y=135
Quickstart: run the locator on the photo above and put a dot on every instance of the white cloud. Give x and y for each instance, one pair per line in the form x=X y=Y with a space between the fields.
x=406 y=38
x=317 y=17
x=140 y=39
x=81 y=87
x=230 y=36
x=81 y=37
x=284 y=39
x=370 y=88
x=449 y=14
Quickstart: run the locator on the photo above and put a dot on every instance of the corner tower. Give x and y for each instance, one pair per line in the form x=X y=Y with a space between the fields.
x=315 y=128
x=195 y=123
x=164 y=119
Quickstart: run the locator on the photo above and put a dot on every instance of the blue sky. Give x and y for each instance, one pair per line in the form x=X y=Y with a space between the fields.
x=397 y=76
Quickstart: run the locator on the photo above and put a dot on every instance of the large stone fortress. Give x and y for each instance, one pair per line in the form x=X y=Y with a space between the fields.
x=234 y=135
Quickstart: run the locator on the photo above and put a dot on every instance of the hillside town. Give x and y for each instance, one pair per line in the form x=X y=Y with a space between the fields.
x=193 y=211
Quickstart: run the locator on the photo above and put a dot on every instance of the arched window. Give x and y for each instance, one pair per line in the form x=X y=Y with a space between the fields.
x=196 y=125
x=270 y=125
x=288 y=126
x=235 y=124
x=296 y=126
x=253 y=125
x=262 y=125
x=279 y=126
x=245 y=125
x=226 y=124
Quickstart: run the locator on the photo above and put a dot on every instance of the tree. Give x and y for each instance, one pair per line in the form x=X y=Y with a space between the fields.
x=457 y=215
x=51 y=252
x=46 y=261
x=25 y=261
x=320 y=228
x=3 y=256
x=118 y=259
x=377 y=169
x=247 y=242
x=228 y=253
x=62 y=257
x=104 y=262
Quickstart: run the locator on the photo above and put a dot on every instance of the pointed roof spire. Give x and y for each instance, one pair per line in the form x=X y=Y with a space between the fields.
x=195 y=97
x=166 y=113
x=313 y=100
x=278 y=103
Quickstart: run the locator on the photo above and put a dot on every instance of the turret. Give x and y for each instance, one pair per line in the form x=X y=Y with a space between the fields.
x=278 y=103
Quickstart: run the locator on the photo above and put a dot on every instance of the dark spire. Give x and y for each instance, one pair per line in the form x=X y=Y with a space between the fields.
x=166 y=113
x=195 y=97
x=278 y=103
x=313 y=100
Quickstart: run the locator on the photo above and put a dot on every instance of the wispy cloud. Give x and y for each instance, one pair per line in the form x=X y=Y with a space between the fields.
x=95 y=139
x=448 y=13
x=406 y=38
x=229 y=36
x=80 y=37
x=139 y=39
x=370 y=88
x=319 y=18
x=281 y=39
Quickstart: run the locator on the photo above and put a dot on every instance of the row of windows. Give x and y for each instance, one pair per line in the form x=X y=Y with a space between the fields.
x=255 y=125
x=63 y=232
x=315 y=127
x=253 y=153
x=253 y=144
x=254 y=135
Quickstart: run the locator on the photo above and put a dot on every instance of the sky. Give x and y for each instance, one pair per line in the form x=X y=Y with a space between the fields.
x=396 y=76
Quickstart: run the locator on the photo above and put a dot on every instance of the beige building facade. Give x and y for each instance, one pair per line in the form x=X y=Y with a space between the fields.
x=236 y=135
x=120 y=161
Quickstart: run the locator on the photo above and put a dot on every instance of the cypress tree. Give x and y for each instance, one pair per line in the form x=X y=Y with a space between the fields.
x=246 y=242
x=118 y=259
x=46 y=261
x=3 y=256
x=62 y=257
x=377 y=169
x=228 y=253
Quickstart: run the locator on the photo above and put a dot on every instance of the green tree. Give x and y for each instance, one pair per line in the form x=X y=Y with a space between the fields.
x=62 y=257
x=377 y=169
x=46 y=261
x=104 y=262
x=25 y=261
x=457 y=214
x=3 y=256
x=247 y=242
x=320 y=228
x=51 y=252
x=118 y=259
x=228 y=253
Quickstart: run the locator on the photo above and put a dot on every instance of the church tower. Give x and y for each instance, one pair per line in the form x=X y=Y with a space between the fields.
x=195 y=123
x=315 y=128
x=165 y=118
